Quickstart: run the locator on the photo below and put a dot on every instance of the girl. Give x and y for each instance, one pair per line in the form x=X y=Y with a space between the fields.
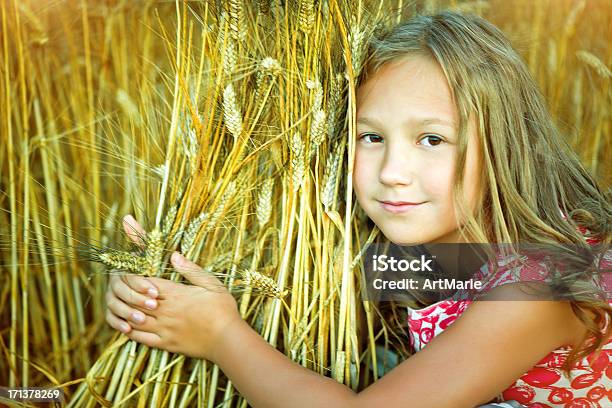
x=454 y=145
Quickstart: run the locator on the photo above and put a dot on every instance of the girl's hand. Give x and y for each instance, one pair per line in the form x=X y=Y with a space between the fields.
x=187 y=319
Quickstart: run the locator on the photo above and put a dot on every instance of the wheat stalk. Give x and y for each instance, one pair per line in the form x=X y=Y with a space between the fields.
x=264 y=203
x=264 y=6
x=331 y=174
x=154 y=251
x=231 y=112
x=229 y=56
x=268 y=69
x=169 y=220
x=306 y=15
x=357 y=37
x=297 y=160
x=334 y=102
x=262 y=283
x=236 y=19
x=188 y=238
x=121 y=260
x=595 y=63
x=227 y=195
x=317 y=130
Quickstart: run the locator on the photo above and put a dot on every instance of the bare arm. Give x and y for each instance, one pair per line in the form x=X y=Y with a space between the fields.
x=483 y=352
x=268 y=378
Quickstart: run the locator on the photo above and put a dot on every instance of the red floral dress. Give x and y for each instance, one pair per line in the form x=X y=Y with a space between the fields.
x=545 y=385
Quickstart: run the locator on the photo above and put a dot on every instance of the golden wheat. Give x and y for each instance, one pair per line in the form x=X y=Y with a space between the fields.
x=595 y=63
x=264 y=203
x=231 y=112
x=297 y=160
x=121 y=260
x=263 y=284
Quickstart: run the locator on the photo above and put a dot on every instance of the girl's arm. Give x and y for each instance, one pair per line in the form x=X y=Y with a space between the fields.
x=268 y=378
x=483 y=352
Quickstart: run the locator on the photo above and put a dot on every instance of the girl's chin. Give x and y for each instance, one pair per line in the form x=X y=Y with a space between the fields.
x=403 y=239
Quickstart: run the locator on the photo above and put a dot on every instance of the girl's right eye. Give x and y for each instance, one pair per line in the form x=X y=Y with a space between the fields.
x=370 y=135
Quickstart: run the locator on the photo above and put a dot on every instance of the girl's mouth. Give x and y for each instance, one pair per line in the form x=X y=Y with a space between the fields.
x=396 y=207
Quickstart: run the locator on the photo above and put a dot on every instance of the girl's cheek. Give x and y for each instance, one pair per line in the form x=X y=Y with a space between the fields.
x=357 y=179
x=438 y=178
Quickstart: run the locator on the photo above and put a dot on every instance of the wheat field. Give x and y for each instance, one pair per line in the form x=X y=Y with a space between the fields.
x=227 y=129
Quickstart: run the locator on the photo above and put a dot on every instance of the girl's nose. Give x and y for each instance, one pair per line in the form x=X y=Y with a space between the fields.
x=396 y=167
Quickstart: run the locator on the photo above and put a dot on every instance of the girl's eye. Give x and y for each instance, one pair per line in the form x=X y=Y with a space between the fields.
x=374 y=137
x=433 y=140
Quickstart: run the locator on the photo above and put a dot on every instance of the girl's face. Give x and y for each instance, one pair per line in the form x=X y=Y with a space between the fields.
x=406 y=151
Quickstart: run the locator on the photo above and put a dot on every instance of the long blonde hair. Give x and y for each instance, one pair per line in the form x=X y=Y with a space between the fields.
x=529 y=171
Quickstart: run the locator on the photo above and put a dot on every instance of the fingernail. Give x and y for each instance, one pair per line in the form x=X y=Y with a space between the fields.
x=128 y=218
x=152 y=292
x=138 y=317
x=150 y=304
x=124 y=327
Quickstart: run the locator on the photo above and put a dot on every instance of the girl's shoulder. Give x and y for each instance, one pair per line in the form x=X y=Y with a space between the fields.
x=426 y=323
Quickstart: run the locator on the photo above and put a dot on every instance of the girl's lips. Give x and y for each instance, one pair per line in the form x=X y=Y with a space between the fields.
x=398 y=208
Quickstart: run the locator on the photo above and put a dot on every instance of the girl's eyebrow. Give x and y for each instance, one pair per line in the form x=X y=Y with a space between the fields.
x=433 y=121
x=369 y=122
x=422 y=122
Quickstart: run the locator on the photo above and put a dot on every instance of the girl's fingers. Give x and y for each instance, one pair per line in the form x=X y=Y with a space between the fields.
x=117 y=323
x=193 y=273
x=122 y=291
x=165 y=286
x=140 y=284
x=146 y=338
x=134 y=230
x=134 y=317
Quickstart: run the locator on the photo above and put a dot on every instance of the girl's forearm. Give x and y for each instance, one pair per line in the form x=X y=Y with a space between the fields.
x=267 y=378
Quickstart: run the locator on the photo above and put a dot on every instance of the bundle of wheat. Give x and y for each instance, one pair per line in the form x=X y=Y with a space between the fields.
x=247 y=116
